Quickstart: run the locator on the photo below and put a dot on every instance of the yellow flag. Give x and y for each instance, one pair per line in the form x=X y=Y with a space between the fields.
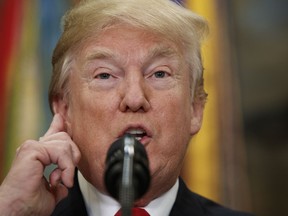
x=201 y=170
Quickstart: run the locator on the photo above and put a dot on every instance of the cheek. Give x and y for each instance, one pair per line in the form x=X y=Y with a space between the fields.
x=175 y=113
x=173 y=118
x=89 y=110
x=92 y=115
x=86 y=125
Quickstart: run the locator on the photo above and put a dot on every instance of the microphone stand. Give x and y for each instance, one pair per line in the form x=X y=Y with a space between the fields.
x=127 y=189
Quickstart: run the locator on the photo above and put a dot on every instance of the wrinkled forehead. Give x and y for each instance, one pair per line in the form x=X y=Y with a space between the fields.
x=103 y=44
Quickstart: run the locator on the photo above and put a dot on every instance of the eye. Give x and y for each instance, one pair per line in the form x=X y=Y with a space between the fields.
x=103 y=76
x=160 y=74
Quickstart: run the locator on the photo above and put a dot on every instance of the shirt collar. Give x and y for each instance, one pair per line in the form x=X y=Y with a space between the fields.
x=98 y=204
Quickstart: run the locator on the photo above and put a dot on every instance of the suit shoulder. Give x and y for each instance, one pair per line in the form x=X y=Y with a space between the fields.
x=212 y=208
x=190 y=203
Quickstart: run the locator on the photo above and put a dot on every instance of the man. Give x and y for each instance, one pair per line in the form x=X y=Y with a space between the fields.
x=120 y=66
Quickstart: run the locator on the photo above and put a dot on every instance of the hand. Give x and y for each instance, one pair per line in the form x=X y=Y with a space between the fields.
x=25 y=191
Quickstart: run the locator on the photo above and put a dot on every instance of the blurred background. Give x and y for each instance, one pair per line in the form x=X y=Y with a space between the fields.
x=240 y=157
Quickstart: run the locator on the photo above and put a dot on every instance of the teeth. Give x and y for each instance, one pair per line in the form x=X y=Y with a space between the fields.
x=138 y=138
x=137 y=133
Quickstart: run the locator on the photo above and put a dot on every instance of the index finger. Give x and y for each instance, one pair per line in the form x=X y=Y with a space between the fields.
x=57 y=125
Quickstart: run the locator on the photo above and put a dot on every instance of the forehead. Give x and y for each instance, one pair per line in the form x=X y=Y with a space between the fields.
x=124 y=40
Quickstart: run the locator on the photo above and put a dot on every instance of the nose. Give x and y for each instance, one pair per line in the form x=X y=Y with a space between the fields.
x=134 y=95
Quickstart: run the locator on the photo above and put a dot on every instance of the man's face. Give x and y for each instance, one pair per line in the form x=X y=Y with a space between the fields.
x=131 y=81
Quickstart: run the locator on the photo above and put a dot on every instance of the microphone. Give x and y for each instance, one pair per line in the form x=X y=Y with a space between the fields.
x=127 y=175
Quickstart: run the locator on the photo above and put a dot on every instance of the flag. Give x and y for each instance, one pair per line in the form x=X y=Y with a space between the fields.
x=215 y=165
x=30 y=31
x=10 y=17
x=201 y=169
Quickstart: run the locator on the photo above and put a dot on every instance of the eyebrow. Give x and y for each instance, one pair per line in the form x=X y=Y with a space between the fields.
x=161 y=51
x=100 y=53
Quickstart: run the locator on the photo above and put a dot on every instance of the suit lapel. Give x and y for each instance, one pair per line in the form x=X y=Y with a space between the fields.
x=73 y=204
x=186 y=203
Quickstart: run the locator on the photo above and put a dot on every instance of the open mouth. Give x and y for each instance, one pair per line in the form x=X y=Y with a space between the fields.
x=138 y=134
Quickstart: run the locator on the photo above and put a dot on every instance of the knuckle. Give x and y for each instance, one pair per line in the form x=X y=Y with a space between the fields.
x=64 y=135
x=65 y=147
x=27 y=145
x=77 y=156
x=30 y=149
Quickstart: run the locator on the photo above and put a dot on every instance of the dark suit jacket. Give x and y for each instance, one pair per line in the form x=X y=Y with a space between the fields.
x=187 y=204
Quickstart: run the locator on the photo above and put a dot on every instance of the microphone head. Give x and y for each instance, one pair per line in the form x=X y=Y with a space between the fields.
x=114 y=168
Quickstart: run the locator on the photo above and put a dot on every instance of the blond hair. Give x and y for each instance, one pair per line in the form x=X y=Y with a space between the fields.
x=162 y=17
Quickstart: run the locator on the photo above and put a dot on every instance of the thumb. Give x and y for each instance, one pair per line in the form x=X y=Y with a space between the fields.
x=57 y=125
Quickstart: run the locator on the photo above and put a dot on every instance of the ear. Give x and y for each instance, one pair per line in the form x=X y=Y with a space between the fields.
x=196 y=117
x=60 y=106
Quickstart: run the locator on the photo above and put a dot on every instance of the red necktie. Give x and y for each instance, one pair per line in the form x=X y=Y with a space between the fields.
x=135 y=212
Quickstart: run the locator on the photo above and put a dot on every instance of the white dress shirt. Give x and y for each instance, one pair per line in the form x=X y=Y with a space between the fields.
x=98 y=204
